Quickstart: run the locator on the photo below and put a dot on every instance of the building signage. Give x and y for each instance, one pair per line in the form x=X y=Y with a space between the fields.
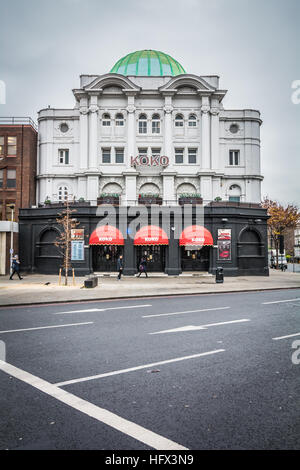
x=77 y=234
x=77 y=250
x=153 y=160
x=224 y=244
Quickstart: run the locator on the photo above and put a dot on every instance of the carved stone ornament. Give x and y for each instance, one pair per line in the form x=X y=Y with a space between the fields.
x=130 y=108
x=215 y=111
x=93 y=108
x=168 y=109
x=205 y=109
x=83 y=110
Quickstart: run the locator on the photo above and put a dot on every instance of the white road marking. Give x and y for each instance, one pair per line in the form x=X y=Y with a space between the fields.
x=200 y=327
x=279 y=301
x=131 y=369
x=100 y=414
x=46 y=327
x=288 y=336
x=187 y=311
x=103 y=309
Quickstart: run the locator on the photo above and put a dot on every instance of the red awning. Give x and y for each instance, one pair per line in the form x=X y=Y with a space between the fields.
x=106 y=235
x=196 y=235
x=151 y=235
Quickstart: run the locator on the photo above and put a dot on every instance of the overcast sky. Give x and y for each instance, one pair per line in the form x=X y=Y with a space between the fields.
x=253 y=45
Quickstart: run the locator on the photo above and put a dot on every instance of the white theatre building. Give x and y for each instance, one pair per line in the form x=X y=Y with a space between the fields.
x=123 y=123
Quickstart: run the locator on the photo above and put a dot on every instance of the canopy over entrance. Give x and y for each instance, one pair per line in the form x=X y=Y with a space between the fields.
x=106 y=235
x=151 y=235
x=196 y=235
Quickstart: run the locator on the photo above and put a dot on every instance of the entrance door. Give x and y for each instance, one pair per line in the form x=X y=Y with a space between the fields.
x=195 y=260
x=155 y=256
x=105 y=257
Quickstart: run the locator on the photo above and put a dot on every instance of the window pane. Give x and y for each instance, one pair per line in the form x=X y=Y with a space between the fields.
x=143 y=127
x=1 y=145
x=179 y=156
x=119 y=155
x=192 y=155
x=142 y=151
x=1 y=178
x=105 y=155
x=155 y=151
x=11 y=145
x=155 y=127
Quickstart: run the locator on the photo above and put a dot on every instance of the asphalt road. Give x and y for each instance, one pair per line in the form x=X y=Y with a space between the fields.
x=118 y=378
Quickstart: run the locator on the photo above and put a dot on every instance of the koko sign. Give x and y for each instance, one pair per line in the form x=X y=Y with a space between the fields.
x=154 y=160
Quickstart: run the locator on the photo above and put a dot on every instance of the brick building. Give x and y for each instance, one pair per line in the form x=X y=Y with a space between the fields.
x=18 y=149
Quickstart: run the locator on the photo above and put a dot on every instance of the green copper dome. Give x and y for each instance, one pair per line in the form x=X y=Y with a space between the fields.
x=147 y=63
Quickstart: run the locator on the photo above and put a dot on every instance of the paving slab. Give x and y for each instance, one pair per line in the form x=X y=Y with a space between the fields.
x=39 y=288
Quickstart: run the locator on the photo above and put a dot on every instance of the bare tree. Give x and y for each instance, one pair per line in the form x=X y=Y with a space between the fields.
x=63 y=241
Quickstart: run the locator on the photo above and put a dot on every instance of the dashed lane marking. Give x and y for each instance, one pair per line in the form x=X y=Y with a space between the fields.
x=187 y=311
x=46 y=327
x=102 y=309
x=131 y=369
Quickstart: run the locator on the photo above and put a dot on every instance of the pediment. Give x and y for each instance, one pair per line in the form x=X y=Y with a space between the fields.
x=111 y=80
x=179 y=83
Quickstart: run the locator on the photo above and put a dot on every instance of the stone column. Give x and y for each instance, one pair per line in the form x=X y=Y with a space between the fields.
x=83 y=132
x=168 y=174
x=131 y=129
x=215 y=136
x=205 y=133
x=93 y=133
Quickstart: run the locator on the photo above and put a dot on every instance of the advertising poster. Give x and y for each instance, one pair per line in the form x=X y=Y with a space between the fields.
x=77 y=234
x=224 y=244
x=77 y=250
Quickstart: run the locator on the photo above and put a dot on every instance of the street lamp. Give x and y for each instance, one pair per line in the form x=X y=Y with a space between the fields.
x=11 y=206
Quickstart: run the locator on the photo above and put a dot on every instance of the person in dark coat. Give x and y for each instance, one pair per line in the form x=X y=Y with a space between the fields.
x=15 y=266
x=143 y=267
x=120 y=266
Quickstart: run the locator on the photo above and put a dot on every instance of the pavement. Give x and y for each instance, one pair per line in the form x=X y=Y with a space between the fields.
x=168 y=373
x=38 y=288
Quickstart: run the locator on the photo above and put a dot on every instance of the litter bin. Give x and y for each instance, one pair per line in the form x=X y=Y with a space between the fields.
x=219 y=275
x=91 y=282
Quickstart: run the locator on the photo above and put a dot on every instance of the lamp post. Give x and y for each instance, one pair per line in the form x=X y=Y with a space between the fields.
x=11 y=236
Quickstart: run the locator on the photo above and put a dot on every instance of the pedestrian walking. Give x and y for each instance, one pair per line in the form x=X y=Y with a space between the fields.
x=143 y=267
x=120 y=266
x=15 y=266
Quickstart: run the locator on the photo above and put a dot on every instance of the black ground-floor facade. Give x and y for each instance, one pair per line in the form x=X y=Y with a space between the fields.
x=238 y=241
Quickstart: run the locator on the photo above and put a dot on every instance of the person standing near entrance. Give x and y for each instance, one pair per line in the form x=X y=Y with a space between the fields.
x=143 y=267
x=120 y=266
x=15 y=266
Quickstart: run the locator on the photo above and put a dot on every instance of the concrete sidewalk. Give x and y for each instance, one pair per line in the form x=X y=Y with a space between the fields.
x=33 y=289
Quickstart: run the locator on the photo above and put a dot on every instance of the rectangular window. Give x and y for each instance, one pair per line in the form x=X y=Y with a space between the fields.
x=1 y=146
x=142 y=127
x=192 y=156
x=179 y=156
x=119 y=155
x=106 y=155
x=155 y=152
x=234 y=157
x=142 y=151
x=234 y=198
x=11 y=179
x=156 y=127
x=11 y=146
x=1 y=178
x=63 y=156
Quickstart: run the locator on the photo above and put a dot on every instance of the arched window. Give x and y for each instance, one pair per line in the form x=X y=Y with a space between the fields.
x=119 y=119
x=179 y=120
x=63 y=193
x=106 y=119
x=192 y=120
x=234 y=193
x=142 y=124
x=156 y=124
